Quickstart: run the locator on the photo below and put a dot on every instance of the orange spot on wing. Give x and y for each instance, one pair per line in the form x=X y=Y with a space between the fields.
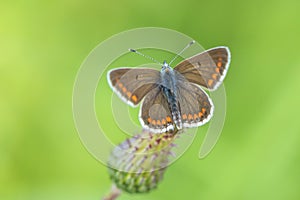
x=214 y=76
x=190 y=117
x=219 y=64
x=168 y=119
x=163 y=121
x=184 y=116
x=129 y=94
x=153 y=122
x=195 y=116
x=134 y=98
x=120 y=85
x=203 y=110
x=124 y=89
x=210 y=82
x=158 y=122
x=217 y=70
x=200 y=114
x=149 y=120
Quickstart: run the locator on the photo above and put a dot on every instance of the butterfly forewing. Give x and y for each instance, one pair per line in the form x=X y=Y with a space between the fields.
x=195 y=105
x=207 y=69
x=132 y=84
x=155 y=113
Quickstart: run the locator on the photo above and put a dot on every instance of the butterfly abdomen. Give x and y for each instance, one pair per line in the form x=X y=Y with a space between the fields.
x=176 y=115
x=173 y=106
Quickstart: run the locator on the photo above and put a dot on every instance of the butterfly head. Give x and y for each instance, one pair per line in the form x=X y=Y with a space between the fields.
x=165 y=67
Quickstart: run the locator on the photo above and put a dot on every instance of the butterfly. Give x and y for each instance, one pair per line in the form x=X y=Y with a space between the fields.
x=172 y=98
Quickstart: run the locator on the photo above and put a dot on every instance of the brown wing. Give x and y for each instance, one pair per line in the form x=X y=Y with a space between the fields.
x=155 y=113
x=132 y=84
x=195 y=105
x=207 y=69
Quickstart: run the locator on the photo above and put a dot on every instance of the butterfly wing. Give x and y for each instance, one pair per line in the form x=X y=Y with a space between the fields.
x=132 y=84
x=155 y=113
x=207 y=69
x=195 y=105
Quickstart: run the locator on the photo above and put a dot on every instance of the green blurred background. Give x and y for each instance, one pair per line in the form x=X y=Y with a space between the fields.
x=43 y=43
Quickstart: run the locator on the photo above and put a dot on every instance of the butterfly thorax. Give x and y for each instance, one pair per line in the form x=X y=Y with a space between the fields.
x=168 y=86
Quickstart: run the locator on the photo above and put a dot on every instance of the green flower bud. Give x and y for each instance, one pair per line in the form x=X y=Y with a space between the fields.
x=138 y=164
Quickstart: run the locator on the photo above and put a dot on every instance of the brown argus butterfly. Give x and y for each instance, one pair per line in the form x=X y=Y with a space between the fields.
x=173 y=98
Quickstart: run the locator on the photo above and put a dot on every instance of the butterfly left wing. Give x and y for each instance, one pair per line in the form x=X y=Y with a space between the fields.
x=207 y=69
x=132 y=84
x=196 y=107
x=155 y=114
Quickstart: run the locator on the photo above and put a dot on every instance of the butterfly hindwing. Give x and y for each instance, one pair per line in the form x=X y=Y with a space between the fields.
x=195 y=105
x=207 y=69
x=155 y=113
x=132 y=84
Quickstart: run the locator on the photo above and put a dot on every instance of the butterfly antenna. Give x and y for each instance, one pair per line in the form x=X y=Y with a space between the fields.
x=146 y=56
x=186 y=47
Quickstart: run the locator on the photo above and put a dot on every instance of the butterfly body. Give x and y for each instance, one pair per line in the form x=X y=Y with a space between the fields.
x=168 y=85
x=172 y=97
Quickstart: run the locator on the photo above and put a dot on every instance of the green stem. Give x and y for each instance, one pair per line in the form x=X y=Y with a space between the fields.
x=114 y=193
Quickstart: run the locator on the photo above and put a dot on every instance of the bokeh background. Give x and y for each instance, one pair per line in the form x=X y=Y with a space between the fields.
x=43 y=43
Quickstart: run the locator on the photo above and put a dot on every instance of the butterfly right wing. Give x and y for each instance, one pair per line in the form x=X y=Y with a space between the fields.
x=132 y=84
x=155 y=114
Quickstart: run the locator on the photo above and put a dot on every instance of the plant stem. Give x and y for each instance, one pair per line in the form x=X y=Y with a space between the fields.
x=114 y=193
